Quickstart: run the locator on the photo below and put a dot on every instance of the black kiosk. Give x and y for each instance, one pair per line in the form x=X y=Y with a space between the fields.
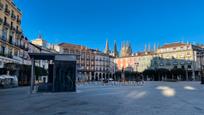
x=61 y=72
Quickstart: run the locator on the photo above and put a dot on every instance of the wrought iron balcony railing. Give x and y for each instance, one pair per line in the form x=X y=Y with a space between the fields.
x=12 y=28
x=18 y=21
x=10 y=41
x=18 y=31
x=6 y=24
x=13 y=17
x=7 y=12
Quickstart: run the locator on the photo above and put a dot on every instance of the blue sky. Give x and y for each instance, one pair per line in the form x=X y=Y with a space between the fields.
x=91 y=22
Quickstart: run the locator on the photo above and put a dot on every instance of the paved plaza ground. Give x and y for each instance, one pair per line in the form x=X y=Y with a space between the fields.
x=154 y=98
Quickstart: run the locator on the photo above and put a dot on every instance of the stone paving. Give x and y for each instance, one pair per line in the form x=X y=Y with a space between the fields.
x=153 y=98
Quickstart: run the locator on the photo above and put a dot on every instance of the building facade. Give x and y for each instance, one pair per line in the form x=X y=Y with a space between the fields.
x=39 y=45
x=169 y=56
x=13 y=44
x=180 y=55
x=91 y=64
x=137 y=62
x=40 y=41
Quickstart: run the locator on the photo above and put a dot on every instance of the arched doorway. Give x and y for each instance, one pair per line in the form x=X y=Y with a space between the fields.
x=96 y=76
x=100 y=76
x=104 y=75
x=92 y=76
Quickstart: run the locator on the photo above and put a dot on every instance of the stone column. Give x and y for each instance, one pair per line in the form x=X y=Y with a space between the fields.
x=32 y=80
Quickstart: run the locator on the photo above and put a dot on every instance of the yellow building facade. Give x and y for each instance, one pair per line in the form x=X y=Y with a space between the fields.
x=169 y=56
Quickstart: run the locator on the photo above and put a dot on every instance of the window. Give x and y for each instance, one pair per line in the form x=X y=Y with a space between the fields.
x=2 y=50
x=10 y=52
x=11 y=24
x=10 y=39
x=5 y=19
x=4 y=34
x=6 y=7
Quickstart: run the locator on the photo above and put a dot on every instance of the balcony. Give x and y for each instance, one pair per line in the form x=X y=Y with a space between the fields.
x=7 y=12
x=22 y=47
x=17 y=45
x=13 y=17
x=3 y=38
x=18 y=21
x=6 y=55
x=9 y=56
x=1 y=6
x=10 y=41
x=6 y=24
x=18 y=32
x=12 y=28
x=26 y=49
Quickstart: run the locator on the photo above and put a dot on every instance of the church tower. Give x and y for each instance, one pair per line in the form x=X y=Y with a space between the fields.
x=115 y=52
x=126 y=49
x=107 y=51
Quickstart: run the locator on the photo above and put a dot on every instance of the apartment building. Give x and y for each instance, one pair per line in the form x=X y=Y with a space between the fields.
x=91 y=64
x=168 y=56
x=13 y=44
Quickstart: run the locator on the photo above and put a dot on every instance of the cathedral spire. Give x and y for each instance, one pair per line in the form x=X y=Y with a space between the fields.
x=158 y=46
x=126 y=49
x=40 y=36
x=107 y=51
x=115 y=52
x=149 y=47
x=145 y=47
x=155 y=47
